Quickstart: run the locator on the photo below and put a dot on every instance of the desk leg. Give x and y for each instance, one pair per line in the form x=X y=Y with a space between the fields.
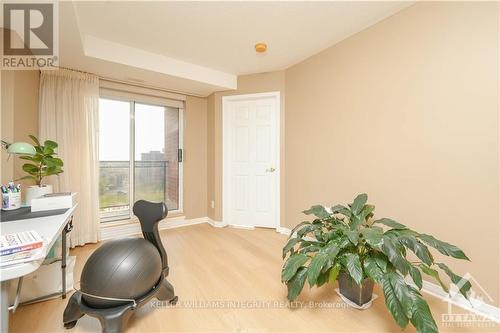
x=63 y=259
x=4 y=307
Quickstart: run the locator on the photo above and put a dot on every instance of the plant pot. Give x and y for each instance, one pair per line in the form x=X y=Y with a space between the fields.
x=36 y=191
x=359 y=294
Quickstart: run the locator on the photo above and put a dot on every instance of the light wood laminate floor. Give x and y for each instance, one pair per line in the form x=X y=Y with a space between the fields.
x=228 y=280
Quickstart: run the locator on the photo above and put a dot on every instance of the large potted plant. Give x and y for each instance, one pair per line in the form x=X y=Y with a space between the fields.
x=348 y=244
x=43 y=164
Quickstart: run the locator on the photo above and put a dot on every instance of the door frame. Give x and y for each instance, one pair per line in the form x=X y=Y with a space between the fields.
x=226 y=179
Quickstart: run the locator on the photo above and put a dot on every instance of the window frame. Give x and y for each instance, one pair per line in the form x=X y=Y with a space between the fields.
x=132 y=99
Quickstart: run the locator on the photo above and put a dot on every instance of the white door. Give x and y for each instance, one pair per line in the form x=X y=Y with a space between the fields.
x=251 y=160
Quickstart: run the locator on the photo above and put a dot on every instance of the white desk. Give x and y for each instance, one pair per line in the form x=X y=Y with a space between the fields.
x=49 y=227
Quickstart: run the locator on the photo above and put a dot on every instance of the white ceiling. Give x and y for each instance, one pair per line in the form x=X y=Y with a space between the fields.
x=200 y=47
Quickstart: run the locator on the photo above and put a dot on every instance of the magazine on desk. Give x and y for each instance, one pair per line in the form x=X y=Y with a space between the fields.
x=20 y=247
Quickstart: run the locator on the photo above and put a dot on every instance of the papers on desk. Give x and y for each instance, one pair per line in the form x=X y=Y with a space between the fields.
x=20 y=247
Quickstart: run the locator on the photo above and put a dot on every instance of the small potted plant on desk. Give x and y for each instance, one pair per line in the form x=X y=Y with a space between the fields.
x=348 y=245
x=41 y=165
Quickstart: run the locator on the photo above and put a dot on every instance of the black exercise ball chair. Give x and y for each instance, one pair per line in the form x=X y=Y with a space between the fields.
x=123 y=274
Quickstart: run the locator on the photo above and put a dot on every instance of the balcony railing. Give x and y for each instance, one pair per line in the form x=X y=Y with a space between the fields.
x=150 y=183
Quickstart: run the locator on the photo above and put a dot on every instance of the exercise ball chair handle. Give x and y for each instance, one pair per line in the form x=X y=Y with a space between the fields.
x=149 y=215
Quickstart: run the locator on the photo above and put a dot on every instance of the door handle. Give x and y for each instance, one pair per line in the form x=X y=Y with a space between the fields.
x=270 y=170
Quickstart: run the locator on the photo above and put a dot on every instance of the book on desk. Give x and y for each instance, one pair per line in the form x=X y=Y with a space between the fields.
x=20 y=247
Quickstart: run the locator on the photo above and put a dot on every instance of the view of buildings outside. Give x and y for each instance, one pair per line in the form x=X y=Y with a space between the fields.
x=156 y=141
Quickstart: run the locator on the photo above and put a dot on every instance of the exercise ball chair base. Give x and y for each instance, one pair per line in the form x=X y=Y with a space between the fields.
x=114 y=319
x=114 y=309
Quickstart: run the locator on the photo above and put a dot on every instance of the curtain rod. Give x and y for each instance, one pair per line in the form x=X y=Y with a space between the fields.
x=133 y=83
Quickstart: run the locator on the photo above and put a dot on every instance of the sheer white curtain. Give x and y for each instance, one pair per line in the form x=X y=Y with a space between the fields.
x=68 y=109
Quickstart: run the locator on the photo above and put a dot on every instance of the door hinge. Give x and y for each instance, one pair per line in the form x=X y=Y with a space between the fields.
x=179 y=155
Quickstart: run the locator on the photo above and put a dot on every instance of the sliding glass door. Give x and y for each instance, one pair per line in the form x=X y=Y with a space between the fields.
x=140 y=156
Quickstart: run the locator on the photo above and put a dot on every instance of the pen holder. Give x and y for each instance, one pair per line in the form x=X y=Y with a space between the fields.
x=11 y=200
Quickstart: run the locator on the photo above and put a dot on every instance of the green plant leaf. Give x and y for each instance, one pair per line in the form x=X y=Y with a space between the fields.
x=353 y=265
x=304 y=243
x=358 y=203
x=367 y=212
x=315 y=267
x=401 y=232
x=393 y=303
x=372 y=270
x=433 y=273
x=463 y=284
x=292 y=264
x=356 y=221
x=26 y=157
x=53 y=161
x=372 y=236
x=27 y=177
x=318 y=234
x=340 y=209
x=296 y=283
x=421 y=316
x=30 y=168
x=58 y=161
x=420 y=250
x=47 y=151
x=416 y=276
x=301 y=224
x=318 y=211
x=332 y=248
x=402 y=292
x=48 y=162
x=51 y=170
x=443 y=247
x=390 y=223
x=289 y=245
x=37 y=157
x=322 y=278
x=50 y=144
x=334 y=272
x=309 y=249
x=35 y=140
x=381 y=260
x=306 y=229
x=394 y=237
x=394 y=256
x=353 y=236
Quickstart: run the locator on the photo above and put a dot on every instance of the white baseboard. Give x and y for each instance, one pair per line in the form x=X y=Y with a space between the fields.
x=287 y=231
x=130 y=229
x=216 y=224
x=237 y=226
x=475 y=305
x=284 y=231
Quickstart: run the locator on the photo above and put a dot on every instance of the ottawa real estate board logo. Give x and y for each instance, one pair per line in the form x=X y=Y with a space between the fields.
x=29 y=35
x=477 y=314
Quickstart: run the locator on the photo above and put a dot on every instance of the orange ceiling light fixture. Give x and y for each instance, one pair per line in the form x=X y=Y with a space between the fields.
x=260 y=47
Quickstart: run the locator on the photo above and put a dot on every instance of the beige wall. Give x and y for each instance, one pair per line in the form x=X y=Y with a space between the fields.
x=247 y=84
x=195 y=157
x=408 y=112
x=211 y=156
x=19 y=116
x=25 y=113
x=7 y=123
